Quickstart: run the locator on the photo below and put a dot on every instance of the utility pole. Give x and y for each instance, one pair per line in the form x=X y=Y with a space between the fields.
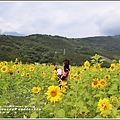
x=64 y=52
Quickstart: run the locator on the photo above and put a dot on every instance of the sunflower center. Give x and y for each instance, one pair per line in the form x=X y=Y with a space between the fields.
x=102 y=82
x=27 y=75
x=83 y=113
x=10 y=72
x=113 y=100
x=4 y=69
x=36 y=90
x=95 y=82
x=107 y=77
x=112 y=67
x=53 y=93
x=105 y=107
x=87 y=65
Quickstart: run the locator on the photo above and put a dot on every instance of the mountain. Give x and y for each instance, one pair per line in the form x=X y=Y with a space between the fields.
x=54 y=49
x=13 y=34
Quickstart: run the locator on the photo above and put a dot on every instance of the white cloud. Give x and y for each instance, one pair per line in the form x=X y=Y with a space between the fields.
x=109 y=22
x=69 y=19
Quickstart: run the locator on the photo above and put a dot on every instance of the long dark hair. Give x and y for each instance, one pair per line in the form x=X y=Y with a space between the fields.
x=66 y=65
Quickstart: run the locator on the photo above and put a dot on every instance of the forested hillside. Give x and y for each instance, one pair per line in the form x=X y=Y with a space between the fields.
x=53 y=49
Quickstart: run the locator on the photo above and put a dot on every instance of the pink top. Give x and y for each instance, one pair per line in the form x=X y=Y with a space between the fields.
x=65 y=74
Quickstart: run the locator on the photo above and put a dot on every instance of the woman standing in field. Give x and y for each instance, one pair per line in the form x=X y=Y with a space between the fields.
x=62 y=74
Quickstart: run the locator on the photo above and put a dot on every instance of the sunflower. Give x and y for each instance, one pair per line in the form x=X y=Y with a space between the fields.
x=107 y=76
x=63 y=86
x=36 y=89
x=16 y=61
x=31 y=69
x=104 y=115
x=95 y=83
x=119 y=61
x=4 y=69
x=102 y=103
x=71 y=76
x=106 y=107
x=102 y=83
x=1 y=63
x=84 y=111
x=54 y=93
x=43 y=75
x=6 y=63
x=14 y=66
x=86 y=64
x=18 y=71
x=27 y=74
x=53 y=77
x=22 y=74
x=25 y=68
x=112 y=67
x=10 y=72
x=113 y=99
x=78 y=77
x=54 y=72
x=97 y=67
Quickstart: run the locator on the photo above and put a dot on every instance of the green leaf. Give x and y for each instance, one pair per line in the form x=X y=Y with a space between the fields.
x=80 y=104
x=98 y=116
x=69 y=103
x=3 y=100
x=32 y=103
x=118 y=116
x=72 y=113
x=82 y=92
x=112 y=92
x=60 y=113
x=33 y=99
x=108 y=112
x=87 y=95
x=97 y=110
x=114 y=111
x=71 y=93
x=90 y=102
x=114 y=86
x=101 y=93
x=97 y=95
x=41 y=97
x=41 y=103
x=34 y=115
x=48 y=107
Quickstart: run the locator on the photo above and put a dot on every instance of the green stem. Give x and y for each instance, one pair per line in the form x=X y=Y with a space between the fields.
x=55 y=109
x=38 y=105
x=76 y=98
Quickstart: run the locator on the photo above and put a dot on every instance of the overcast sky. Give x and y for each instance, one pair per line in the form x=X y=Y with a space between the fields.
x=72 y=19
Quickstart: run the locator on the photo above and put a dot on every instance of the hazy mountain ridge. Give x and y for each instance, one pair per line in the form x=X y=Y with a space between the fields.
x=13 y=33
x=53 y=49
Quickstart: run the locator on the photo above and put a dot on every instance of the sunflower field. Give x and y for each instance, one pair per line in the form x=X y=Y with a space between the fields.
x=32 y=91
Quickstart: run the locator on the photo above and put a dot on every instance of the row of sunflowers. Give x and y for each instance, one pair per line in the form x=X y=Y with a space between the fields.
x=32 y=91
